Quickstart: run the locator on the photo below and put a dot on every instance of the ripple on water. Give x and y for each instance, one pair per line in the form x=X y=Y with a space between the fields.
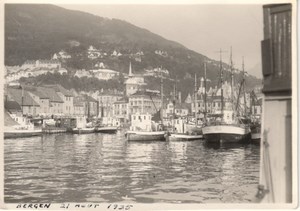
x=106 y=168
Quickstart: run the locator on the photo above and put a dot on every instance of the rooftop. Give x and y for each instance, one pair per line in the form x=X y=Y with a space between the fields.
x=16 y=95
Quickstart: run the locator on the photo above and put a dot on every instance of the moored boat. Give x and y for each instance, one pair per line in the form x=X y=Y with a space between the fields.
x=185 y=132
x=83 y=130
x=106 y=129
x=21 y=133
x=144 y=129
x=226 y=133
x=227 y=127
x=256 y=133
x=146 y=135
x=184 y=137
x=82 y=127
x=19 y=127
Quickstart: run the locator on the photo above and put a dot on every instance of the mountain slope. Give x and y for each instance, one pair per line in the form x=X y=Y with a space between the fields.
x=39 y=31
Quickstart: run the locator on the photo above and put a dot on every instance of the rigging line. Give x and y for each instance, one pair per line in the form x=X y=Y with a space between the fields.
x=153 y=102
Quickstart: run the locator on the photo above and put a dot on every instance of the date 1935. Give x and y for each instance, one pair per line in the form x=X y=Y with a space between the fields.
x=119 y=207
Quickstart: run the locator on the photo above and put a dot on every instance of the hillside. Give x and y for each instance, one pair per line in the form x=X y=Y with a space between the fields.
x=39 y=31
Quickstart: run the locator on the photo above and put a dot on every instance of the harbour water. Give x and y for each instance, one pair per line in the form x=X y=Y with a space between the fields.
x=106 y=168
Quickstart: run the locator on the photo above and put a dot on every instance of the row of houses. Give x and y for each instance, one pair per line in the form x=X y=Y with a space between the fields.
x=25 y=73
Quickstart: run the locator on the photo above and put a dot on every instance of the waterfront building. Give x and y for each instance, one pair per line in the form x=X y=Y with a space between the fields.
x=28 y=105
x=144 y=102
x=79 y=108
x=180 y=109
x=91 y=106
x=66 y=96
x=121 y=109
x=49 y=101
x=106 y=98
x=134 y=83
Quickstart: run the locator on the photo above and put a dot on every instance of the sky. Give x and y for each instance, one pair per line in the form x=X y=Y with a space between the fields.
x=202 y=28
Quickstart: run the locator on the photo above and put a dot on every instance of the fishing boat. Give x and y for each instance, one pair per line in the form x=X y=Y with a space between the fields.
x=144 y=129
x=82 y=127
x=227 y=127
x=255 y=113
x=106 y=129
x=255 y=132
x=19 y=127
x=182 y=129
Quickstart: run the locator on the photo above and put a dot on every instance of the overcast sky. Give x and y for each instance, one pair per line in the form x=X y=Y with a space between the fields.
x=202 y=28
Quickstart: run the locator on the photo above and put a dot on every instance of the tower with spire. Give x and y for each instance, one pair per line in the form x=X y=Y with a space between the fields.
x=134 y=82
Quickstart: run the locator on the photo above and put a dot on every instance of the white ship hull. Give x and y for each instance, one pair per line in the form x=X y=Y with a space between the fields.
x=22 y=133
x=146 y=136
x=184 y=137
x=83 y=130
x=226 y=133
x=255 y=136
x=106 y=129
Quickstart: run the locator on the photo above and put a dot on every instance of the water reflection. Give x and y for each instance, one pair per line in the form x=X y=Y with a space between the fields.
x=106 y=168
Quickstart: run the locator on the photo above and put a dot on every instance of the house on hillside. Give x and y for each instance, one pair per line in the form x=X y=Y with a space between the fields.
x=83 y=73
x=61 y=55
x=51 y=64
x=105 y=74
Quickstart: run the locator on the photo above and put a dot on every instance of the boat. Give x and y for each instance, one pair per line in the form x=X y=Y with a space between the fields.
x=85 y=130
x=19 y=127
x=226 y=127
x=226 y=133
x=255 y=125
x=182 y=129
x=146 y=135
x=143 y=128
x=106 y=129
x=255 y=132
x=184 y=137
x=82 y=127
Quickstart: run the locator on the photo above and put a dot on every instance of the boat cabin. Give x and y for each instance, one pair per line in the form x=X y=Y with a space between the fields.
x=143 y=122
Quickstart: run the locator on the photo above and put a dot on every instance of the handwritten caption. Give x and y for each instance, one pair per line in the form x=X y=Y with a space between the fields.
x=74 y=205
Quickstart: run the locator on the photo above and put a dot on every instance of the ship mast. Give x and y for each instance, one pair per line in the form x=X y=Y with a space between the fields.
x=162 y=98
x=174 y=102
x=245 y=106
x=205 y=106
x=221 y=76
x=196 y=100
x=231 y=74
